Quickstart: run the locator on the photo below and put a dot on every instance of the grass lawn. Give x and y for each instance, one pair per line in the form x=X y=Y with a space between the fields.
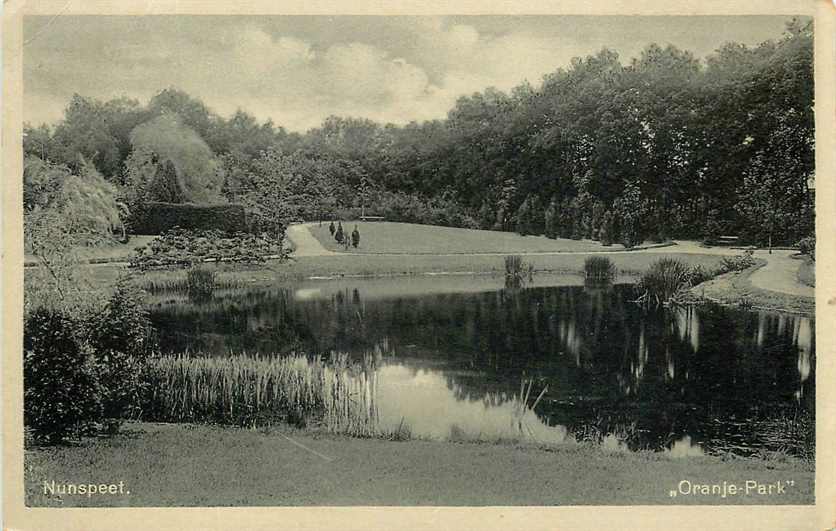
x=272 y=273
x=188 y=465
x=807 y=272
x=389 y=237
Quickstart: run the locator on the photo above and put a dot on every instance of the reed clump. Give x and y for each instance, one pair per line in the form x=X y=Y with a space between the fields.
x=517 y=271
x=252 y=390
x=599 y=269
x=663 y=282
x=200 y=283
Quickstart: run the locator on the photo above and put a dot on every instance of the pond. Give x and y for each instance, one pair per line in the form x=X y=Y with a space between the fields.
x=455 y=351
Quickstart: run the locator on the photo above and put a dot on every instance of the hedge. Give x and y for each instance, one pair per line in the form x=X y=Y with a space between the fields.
x=160 y=217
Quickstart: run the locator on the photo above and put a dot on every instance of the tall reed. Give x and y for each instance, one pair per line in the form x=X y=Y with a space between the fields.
x=252 y=390
x=663 y=282
x=517 y=271
x=200 y=282
x=599 y=269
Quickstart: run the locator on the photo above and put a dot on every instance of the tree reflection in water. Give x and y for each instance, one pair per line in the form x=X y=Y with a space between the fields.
x=721 y=376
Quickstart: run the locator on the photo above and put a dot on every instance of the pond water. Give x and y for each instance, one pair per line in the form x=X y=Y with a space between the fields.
x=455 y=351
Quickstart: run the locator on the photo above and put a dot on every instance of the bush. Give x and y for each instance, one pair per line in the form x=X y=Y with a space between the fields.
x=184 y=248
x=122 y=387
x=408 y=208
x=123 y=324
x=157 y=218
x=808 y=246
x=737 y=263
x=62 y=392
x=699 y=274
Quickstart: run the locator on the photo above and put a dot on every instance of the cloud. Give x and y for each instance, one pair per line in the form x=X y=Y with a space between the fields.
x=297 y=71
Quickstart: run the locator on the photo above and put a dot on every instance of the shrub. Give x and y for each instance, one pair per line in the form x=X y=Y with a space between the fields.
x=183 y=248
x=410 y=208
x=123 y=324
x=808 y=246
x=62 y=392
x=599 y=269
x=157 y=218
x=663 y=281
x=119 y=376
x=699 y=274
x=737 y=263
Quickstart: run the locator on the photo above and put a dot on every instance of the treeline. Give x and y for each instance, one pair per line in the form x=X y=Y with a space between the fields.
x=663 y=146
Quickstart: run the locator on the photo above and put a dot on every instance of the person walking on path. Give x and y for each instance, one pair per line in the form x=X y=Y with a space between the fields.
x=339 y=235
x=355 y=237
x=332 y=228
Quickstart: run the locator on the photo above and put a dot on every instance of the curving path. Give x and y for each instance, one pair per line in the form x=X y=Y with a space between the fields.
x=304 y=243
x=780 y=274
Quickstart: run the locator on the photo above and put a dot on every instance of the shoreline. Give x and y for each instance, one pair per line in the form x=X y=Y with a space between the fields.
x=736 y=289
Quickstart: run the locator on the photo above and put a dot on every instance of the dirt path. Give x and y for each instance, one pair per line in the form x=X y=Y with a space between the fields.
x=780 y=274
x=304 y=242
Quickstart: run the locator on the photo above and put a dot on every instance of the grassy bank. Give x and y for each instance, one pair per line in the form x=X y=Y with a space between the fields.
x=191 y=465
x=372 y=266
x=735 y=289
x=388 y=237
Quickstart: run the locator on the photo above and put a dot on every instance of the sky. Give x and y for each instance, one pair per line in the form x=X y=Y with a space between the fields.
x=299 y=70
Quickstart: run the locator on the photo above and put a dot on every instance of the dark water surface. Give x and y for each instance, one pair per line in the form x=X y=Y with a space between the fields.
x=455 y=351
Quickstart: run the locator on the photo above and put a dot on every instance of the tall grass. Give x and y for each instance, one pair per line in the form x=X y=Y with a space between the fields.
x=663 y=282
x=599 y=269
x=251 y=390
x=517 y=271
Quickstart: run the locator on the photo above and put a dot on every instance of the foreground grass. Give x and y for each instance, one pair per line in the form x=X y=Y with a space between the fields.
x=190 y=465
x=389 y=237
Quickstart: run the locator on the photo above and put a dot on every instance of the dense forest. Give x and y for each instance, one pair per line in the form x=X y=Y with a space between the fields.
x=664 y=145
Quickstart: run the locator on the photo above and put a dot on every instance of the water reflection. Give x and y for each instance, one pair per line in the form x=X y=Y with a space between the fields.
x=433 y=405
x=726 y=378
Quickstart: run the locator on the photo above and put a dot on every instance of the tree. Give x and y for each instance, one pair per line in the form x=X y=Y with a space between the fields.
x=524 y=218
x=64 y=211
x=606 y=230
x=175 y=159
x=631 y=210
x=551 y=219
x=770 y=202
